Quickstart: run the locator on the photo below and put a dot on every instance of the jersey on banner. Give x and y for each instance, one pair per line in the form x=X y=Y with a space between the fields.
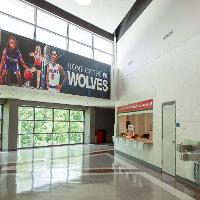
x=35 y=65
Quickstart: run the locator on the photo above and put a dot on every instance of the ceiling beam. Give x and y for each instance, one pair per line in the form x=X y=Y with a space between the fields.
x=136 y=10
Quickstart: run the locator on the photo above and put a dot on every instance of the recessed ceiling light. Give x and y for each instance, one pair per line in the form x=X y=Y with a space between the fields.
x=84 y=2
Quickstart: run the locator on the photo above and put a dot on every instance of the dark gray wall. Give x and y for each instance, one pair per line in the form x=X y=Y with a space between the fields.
x=105 y=120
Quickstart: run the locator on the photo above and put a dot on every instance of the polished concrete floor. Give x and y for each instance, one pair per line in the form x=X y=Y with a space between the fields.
x=83 y=172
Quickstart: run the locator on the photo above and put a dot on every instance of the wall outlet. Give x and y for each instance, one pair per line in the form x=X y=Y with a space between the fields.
x=178 y=125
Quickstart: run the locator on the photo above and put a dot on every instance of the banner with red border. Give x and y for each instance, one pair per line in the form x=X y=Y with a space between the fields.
x=139 y=106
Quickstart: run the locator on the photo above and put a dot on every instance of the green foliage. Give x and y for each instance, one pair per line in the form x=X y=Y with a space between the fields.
x=42 y=139
x=61 y=115
x=62 y=138
x=25 y=140
x=61 y=127
x=25 y=113
x=76 y=115
x=76 y=138
x=45 y=131
x=43 y=126
x=25 y=127
x=76 y=127
x=43 y=113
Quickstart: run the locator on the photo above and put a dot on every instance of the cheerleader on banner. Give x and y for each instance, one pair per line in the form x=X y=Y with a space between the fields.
x=37 y=54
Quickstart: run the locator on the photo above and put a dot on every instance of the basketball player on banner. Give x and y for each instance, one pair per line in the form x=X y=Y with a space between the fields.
x=10 y=60
x=54 y=72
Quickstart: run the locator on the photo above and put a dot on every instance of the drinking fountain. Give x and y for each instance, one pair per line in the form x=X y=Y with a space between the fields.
x=189 y=152
x=190 y=156
x=184 y=147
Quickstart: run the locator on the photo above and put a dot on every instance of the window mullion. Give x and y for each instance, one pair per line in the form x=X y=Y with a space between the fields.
x=35 y=23
x=92 y=45
x=67 y=39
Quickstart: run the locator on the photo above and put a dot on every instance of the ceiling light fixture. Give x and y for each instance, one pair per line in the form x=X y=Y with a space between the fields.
x=83 y=2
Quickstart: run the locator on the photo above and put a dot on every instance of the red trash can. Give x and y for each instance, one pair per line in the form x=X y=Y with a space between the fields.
x=99 y=137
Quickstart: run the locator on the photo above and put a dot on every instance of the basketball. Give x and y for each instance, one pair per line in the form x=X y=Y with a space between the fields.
x=28 y=75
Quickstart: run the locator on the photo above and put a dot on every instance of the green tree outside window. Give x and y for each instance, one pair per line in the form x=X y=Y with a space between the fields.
x=48 y=126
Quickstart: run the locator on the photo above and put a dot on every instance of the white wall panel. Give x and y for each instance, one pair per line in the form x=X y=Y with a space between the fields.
x=165 y=70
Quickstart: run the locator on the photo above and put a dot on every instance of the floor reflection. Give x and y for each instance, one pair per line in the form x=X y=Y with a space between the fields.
x=39 y=169
x=78 y=172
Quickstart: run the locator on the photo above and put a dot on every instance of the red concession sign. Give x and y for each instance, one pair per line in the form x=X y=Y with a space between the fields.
x=143 y=105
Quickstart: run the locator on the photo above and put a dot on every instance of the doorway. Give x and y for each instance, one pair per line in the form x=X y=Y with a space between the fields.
x=169 y=138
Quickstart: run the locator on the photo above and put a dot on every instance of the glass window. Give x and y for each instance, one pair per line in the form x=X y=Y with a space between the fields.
x=80 y=49
x=51 y=23
x=18 y=9
x=76 y=127
x=62 y=138
x=25 y=141
x=25 y=127
x=43 y=126
x=42 y=139
x=61 y=127
x=49 y=126
x=76 y=138
x=61 y=115
x=103 y=57
x=19 y=17
x=80 y=35
x=76 y=115
x=25 y=113
x=15 y=26
x=51 y=39
x=103 y=44
x=43 y=114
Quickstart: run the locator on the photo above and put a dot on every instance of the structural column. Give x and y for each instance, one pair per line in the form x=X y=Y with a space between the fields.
x=10 y=125
x=89 y=137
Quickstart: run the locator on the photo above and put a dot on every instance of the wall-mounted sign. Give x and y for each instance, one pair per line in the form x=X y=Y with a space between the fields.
x=143 y=105
x=51 y=68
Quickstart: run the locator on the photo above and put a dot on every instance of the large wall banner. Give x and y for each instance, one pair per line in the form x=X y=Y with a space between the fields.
x=31 y=64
